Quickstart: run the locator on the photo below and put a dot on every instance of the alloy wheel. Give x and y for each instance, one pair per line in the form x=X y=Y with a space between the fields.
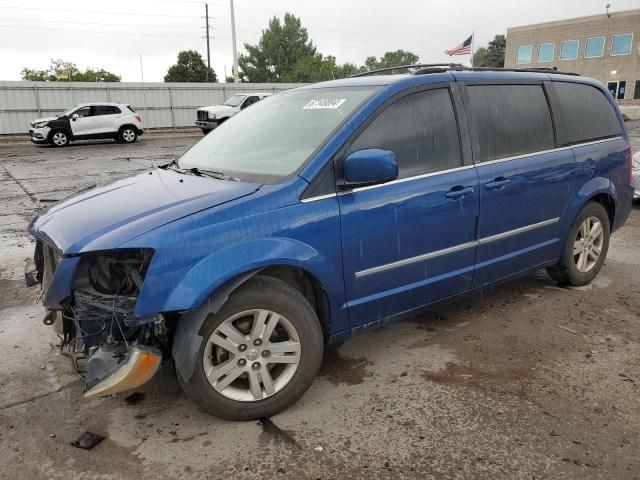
x=252 y=355
x=588 y=244
x=128 y=135
x=59 y=139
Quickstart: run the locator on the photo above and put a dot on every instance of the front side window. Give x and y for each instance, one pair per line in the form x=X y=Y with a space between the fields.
x=235 y=100
x=420 y=129
x=621 y=44
x=273 y=138
x=584 y=114
x=569 y=50
x=524 y=54
x=545 y=52
x=509 y=120
x=594 y=47
x=84 y=112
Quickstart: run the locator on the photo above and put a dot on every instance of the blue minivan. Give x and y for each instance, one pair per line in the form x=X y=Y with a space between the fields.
x=326 y=210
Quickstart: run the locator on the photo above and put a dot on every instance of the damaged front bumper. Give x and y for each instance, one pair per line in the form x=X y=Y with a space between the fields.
x=91 y=300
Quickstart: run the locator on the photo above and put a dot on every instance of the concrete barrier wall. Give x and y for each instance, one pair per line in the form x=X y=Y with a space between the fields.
x=162 y=105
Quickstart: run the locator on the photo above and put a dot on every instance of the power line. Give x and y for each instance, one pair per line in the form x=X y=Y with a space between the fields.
x=13 y=26
x=103 y=12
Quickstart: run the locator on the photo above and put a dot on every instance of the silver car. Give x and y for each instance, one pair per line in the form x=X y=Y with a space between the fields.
x=635 y=175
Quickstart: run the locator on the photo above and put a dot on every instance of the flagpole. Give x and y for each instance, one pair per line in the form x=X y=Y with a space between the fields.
x=473 y=42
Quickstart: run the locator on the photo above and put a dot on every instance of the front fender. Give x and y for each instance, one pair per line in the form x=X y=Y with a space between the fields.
x=217 y=268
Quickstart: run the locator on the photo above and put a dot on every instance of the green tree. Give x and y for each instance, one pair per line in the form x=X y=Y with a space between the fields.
x=481 y=57
x=284 y=52
x=190 y=67
x=391 y=59
x=495 y=51
x=64 y=70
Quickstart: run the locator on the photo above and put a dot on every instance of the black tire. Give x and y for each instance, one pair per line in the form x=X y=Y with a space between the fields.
x=127 y=134
x=206 y=130
x=59 y=138
x=260 y=292
x=565 y=272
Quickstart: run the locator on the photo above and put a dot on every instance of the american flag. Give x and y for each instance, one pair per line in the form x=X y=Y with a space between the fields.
x=463 y=49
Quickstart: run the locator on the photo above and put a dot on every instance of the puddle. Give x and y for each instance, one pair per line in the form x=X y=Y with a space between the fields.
x=503 y=382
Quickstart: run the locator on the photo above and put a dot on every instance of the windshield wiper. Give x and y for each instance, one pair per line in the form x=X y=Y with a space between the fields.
x=199 y=172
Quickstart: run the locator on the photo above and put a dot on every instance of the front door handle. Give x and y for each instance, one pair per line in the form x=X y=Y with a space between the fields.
x=497 y=183
x=458 y=192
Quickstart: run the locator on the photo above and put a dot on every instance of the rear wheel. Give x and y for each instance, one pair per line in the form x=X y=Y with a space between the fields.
x=259 y=353
x=586 y=247
x=59 y=138
x=127 y=135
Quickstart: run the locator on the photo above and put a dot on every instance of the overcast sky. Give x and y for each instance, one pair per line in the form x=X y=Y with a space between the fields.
x=113 y=34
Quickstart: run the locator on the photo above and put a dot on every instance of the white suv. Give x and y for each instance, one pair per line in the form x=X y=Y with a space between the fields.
x=209 y=118
x=88 y=121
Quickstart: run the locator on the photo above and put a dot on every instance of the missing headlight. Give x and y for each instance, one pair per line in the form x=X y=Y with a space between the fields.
x=118 y=272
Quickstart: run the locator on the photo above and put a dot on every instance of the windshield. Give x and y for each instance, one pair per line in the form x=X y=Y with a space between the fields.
x=235 y=100
x=274 y=137
x=68 y=112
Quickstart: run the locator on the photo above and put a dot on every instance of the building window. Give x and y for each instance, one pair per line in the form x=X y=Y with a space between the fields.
x=636 y=91
x=621 y=44
x=524 y=54
x=545 y=52
x=594 y=47
x=622 y=87
x=569 y=49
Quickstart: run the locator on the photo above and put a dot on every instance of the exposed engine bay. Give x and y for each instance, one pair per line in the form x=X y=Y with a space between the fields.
x=110 y=348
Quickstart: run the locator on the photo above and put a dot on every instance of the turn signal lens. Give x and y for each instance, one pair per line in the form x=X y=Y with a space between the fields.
x=142 y=364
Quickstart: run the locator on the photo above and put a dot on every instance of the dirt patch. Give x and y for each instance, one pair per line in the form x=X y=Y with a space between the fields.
x=15 y=293
x=510 y=382
x=345 y=370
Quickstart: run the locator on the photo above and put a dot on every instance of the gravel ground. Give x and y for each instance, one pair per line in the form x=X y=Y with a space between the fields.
x=527 y=381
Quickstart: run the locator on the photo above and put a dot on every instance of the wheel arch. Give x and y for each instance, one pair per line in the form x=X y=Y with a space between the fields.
x=598 y=189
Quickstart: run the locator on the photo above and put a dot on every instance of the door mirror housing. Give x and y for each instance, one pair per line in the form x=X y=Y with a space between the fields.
x=74 y=117
x=369 y=167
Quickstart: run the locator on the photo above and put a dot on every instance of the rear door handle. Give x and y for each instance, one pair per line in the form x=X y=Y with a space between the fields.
x=458 y=192
x=497 y=183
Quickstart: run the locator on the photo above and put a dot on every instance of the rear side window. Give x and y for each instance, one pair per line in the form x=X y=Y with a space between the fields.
x=584 y=114
x=509 y=120
x=420 y=129
x=106 y=110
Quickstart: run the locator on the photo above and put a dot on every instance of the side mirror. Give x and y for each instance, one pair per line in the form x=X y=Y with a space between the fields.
x=369 y=167
x=74 y=117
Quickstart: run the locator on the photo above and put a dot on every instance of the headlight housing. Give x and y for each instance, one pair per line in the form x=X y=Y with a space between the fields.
x=211 y=115
x=118 y=272
x=41 y=125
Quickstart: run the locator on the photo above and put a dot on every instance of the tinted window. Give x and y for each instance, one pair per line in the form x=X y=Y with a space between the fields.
x=584 y=114
x=509 y=120
x=621 y=44
x=524 y=54
x=594 y=47
x=569 y=50
x=420 y=129
x=106 y=110
x=545 y=52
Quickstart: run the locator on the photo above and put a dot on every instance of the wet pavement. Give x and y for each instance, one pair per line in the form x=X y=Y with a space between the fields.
x=527 y=381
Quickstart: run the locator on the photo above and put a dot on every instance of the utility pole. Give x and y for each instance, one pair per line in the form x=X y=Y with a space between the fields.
x=206 y=16
x=236 y=77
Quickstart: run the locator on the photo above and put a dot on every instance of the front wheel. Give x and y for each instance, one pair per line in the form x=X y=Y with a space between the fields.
x=585 y=249
x=259 y=353
x=59 y=138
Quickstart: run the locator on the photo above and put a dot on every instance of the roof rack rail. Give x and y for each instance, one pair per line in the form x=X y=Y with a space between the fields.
x=441 y=66
x=462 y=68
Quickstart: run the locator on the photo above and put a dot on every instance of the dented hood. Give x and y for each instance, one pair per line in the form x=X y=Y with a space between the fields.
x=107 y=216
